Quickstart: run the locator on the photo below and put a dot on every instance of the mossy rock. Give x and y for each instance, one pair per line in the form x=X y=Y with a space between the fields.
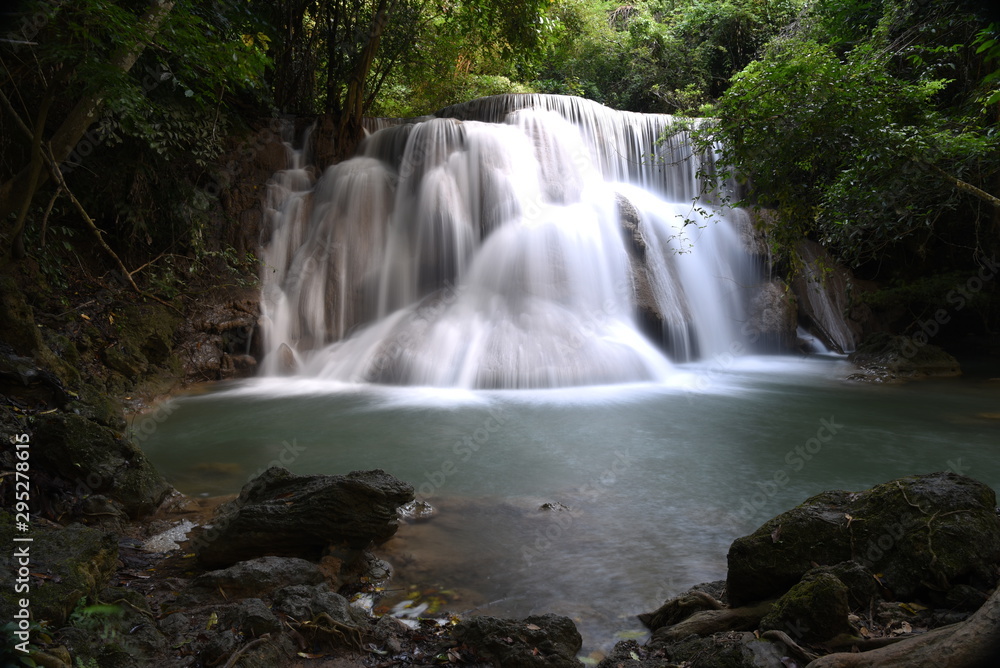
x=884 y=355
x=812 y=611
x=18 y=330
x=928 y=533
x=75 y=563
x=768 y=562
x=97 y=461
x=146 y=332
x=920 y=533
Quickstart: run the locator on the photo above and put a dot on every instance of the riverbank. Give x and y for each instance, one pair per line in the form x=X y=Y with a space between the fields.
x=841 y=572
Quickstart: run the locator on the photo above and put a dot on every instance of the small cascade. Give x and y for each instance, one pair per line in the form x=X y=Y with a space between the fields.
x=823 y=290
x=485 y=248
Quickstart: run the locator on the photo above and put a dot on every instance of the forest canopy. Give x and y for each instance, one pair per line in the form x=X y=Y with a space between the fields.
x=868 y=125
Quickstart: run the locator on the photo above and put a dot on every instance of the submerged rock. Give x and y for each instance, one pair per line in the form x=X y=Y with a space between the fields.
x=283 y=514
x=922 y=533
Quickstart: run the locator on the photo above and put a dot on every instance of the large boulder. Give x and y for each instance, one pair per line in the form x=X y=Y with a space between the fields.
x=923 y=534
x=259 y=577
x=282 y=514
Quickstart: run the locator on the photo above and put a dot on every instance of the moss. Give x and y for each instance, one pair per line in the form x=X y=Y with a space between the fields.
x=18 y=330
x=922 y=533
x=146 y=331
x=931 y=531
x=774 y=557
x=98 y=461
x=813 y=610
x=75 y=562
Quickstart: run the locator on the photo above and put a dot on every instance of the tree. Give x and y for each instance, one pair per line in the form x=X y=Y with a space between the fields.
x=334 y=57
x=867 y=139
x=69 y=67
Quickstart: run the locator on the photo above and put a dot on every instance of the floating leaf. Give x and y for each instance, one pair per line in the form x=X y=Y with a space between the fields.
x=532 y=627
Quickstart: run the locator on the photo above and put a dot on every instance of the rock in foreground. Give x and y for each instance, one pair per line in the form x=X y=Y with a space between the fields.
x=923 y=533
x=551 y=641
x=283 y=514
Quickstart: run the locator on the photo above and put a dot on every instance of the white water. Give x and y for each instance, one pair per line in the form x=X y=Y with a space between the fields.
x=463 y=253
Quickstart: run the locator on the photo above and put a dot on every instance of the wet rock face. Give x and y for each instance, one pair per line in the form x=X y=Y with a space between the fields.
x=544 y=640
x=96 y=461
x=924 y=534
x=282 y=514
x=827 y=298
x=221 y=339
x=772 y=316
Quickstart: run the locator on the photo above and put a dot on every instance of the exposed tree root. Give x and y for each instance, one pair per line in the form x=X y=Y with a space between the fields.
x=680 y=608
x=708 y=622
x=974 y=643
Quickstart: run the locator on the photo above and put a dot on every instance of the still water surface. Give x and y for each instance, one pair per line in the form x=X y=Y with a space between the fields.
x=650 y=483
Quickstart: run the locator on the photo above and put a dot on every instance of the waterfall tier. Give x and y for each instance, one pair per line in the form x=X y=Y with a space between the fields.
x=489 y=247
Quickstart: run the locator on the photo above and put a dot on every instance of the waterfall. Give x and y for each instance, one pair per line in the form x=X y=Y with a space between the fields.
x=487 y=247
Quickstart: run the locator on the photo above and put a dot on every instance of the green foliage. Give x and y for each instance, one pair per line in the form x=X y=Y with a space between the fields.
x=655 y=56
x=162 y=121
x=987 y=43
x=859 y=138
x=429 y=53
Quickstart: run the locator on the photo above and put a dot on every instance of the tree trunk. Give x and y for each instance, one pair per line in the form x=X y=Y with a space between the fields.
x=87 y=109
x=350 y=129
x=974 y=643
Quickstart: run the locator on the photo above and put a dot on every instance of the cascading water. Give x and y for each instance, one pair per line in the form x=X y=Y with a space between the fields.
x=485 y=249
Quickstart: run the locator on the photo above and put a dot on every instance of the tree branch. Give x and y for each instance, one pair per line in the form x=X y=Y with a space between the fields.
x=87 y=109
x=58 y=177
x=963 y=185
